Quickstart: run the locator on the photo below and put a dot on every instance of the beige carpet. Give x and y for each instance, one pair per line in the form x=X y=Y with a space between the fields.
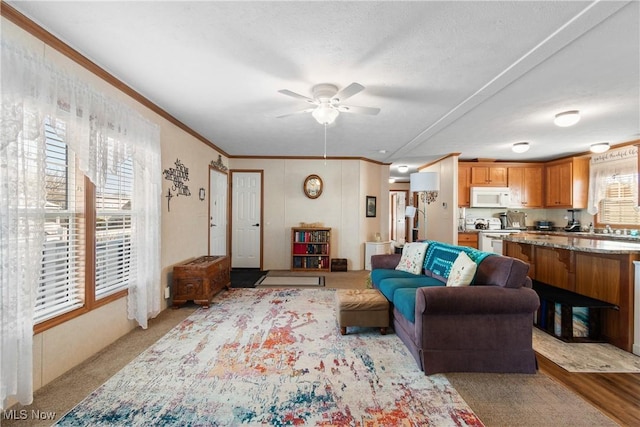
x=585 y=357
x=525 y=400
x=499 y=400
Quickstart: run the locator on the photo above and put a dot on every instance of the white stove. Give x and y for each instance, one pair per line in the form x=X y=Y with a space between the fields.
x=488 y=240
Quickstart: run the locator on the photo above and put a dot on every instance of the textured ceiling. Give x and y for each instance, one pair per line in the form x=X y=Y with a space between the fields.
x=467 y=77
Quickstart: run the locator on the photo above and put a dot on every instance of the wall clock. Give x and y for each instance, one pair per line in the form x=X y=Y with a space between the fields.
x=312 y=186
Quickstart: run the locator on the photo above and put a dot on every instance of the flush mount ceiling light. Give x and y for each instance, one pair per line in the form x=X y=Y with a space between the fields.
x=403 y=168
x=600 y=147
x=520 y=147
x=567 y=118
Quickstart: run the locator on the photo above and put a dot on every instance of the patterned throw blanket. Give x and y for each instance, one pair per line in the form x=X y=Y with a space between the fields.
x=441 y=256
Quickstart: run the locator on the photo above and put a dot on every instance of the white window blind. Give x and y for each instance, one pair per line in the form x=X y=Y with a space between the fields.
x=619 y=206
x=59 y=287
x=114 y=261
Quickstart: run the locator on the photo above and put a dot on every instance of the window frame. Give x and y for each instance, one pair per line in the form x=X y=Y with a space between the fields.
x=90 y=302
x=88 y=280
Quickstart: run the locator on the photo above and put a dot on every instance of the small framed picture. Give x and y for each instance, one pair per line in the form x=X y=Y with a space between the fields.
x=371 y=206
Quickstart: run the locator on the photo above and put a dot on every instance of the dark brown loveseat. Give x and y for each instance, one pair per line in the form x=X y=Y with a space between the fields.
x=484 y=327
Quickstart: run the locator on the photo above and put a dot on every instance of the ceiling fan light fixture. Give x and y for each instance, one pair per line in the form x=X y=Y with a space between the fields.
x=567 y=118
x=324 y=114
x=520 y=147
x=599 y=147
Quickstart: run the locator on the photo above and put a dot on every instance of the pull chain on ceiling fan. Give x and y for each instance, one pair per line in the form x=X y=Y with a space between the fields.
x=325 y=143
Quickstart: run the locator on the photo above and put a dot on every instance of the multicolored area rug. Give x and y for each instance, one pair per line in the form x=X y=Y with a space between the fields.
x=272 y=357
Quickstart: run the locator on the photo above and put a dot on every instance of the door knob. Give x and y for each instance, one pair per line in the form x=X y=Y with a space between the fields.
x=213 y=225
x=257 y=224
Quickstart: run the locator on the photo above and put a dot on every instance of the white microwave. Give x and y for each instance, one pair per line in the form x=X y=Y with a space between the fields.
x=489 y=197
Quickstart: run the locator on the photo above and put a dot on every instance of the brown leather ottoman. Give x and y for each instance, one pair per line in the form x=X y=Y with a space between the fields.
x=362 y=307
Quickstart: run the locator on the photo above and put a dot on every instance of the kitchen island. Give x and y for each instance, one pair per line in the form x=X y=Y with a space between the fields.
x=602 y=269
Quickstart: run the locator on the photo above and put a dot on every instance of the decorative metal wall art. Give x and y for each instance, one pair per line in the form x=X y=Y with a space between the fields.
x=177 y=176
x=218 y=164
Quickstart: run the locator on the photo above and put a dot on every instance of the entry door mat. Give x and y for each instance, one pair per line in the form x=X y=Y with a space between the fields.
x=246 y=277
x=273 y=357
x=585 y=357
x=294 y=281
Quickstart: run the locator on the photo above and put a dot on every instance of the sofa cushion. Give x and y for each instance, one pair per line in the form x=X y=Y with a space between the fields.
x=404 y=301
x=389 y=286
x=412 y=257
x=462 y=271
x=378 y=275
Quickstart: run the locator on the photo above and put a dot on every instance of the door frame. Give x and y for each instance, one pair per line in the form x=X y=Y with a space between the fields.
x=213 y=169
x=230 y=215
x=408 y=226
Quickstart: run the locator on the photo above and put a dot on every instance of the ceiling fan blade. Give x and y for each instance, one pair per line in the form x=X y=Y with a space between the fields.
x=296 y=95
x=359 y=110
x=306 y=110
x=349 y=91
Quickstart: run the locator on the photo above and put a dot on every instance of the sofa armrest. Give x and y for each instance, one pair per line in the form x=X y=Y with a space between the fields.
x=475 y=300
x=388 y=261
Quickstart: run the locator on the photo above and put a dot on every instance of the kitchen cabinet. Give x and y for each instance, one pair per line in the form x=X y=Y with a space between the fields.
x=566 y=183
x=469 y=239
x=464 y=185
x=606 y=276
x=494 y=176
x=525 y=186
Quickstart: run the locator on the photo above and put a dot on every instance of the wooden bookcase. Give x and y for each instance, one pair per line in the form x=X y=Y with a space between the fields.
x=310 y=249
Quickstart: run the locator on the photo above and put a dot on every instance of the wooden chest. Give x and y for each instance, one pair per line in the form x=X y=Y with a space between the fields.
x=338 y=264
x=200 y=279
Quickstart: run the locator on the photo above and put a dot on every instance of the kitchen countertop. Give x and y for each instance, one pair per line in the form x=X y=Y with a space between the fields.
x=583 y=242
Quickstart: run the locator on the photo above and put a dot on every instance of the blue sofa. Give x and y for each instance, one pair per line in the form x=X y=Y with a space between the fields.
x=484 y=327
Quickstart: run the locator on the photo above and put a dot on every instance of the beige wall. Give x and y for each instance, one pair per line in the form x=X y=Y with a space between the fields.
x=341 y=205
x=442 y=215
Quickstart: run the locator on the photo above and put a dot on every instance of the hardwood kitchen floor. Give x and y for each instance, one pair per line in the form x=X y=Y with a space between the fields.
x=617 y=395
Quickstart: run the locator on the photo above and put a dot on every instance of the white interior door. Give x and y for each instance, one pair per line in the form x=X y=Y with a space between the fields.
x=246 y=235
x=218 y=221
x=398 y=222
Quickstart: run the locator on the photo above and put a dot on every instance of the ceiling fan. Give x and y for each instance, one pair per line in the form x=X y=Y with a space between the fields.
x=327 y=102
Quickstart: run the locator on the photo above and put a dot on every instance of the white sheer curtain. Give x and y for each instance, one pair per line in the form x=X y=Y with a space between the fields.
x=97 y=128
x=144 y=297
x=22 y=202
x=622 y=161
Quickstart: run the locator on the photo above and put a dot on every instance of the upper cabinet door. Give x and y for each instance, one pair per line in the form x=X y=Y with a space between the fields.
x=464 y=184
x=489 y=176
x=525 y=186
x=566 y=183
